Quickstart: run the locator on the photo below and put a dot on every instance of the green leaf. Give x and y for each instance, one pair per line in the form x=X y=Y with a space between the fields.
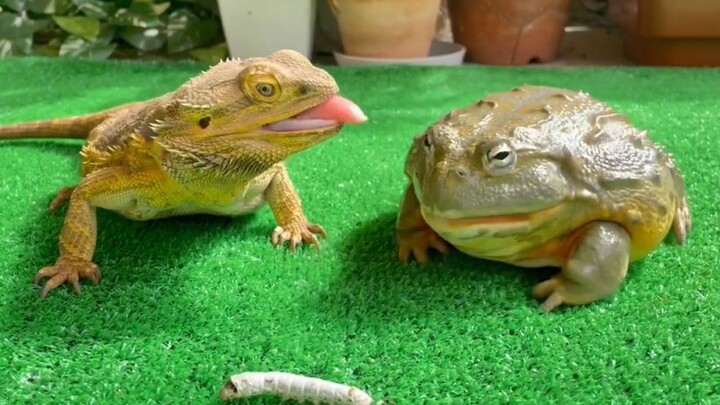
x=17 y=5
x=79 y=48
x=210 y=5
x=49 y=6
x=187 y=31
x=49 y=49
x=206 y=5
x=96 y=8
x=84 y=27
x=139 y=14
x=14 y=26
x=122 y=3
x=160 y=8
x=17 y=46
x=211 y=55
x=144 y=39
x=106 y=34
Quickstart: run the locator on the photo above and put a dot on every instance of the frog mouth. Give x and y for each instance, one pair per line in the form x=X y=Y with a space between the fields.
x=525 y=221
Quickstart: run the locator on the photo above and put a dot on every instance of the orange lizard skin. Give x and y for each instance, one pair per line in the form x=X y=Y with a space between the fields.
x=216 y=146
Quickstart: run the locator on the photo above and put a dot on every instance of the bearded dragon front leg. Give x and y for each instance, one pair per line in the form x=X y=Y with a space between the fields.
x=77 y=241
x=293 y=226
x=414 y=235
x=79 y=232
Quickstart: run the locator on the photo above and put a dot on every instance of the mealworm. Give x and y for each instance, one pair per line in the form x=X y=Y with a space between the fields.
x=292 y=386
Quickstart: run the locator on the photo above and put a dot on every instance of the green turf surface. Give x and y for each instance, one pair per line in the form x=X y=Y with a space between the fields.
x=186 y=302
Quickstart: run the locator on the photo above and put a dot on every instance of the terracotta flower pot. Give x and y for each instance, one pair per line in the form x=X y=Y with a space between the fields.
x=509 y=32
x=386 y=28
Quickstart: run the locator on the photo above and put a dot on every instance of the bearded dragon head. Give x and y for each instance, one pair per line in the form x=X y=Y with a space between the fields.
x=282 y=99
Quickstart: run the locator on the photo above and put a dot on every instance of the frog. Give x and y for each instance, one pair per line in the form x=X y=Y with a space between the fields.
x=538 y=176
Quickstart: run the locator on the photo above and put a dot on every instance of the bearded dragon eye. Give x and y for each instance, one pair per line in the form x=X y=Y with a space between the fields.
x=265 y=89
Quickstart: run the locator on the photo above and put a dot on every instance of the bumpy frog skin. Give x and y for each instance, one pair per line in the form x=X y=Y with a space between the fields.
x=538 y=177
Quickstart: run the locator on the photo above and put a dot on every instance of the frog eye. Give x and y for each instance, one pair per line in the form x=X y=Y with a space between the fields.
x=500 y=158
x=427 y=141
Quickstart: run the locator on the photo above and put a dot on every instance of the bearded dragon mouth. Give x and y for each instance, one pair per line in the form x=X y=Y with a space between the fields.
x=332 y=112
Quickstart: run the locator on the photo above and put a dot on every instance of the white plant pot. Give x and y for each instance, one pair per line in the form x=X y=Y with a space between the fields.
x=260 y=27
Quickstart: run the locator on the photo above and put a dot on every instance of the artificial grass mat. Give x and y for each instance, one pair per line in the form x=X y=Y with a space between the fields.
x=186 y=302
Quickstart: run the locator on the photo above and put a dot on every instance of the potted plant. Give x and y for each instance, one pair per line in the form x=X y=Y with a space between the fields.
x=509 y=32
x=386 y=28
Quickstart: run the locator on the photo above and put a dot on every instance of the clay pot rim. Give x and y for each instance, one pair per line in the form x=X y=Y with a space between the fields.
x=441 y=53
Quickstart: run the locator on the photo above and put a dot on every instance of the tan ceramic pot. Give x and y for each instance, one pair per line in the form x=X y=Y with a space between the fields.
x=509 y=32
x=386 y=28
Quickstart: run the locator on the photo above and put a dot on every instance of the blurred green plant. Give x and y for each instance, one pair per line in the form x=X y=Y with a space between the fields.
x=101 y=29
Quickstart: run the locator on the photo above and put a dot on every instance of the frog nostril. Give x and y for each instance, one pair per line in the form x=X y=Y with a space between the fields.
x=461 y=172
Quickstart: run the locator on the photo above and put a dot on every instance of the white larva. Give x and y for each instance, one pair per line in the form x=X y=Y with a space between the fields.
x=292 y=386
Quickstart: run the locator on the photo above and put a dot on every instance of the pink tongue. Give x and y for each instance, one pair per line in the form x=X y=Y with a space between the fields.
x=337 y=108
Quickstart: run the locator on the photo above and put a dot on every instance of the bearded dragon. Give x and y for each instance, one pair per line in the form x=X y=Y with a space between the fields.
x=216 y=146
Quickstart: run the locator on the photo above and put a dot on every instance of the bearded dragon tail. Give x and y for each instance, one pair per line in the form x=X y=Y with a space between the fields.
x=77 y=127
